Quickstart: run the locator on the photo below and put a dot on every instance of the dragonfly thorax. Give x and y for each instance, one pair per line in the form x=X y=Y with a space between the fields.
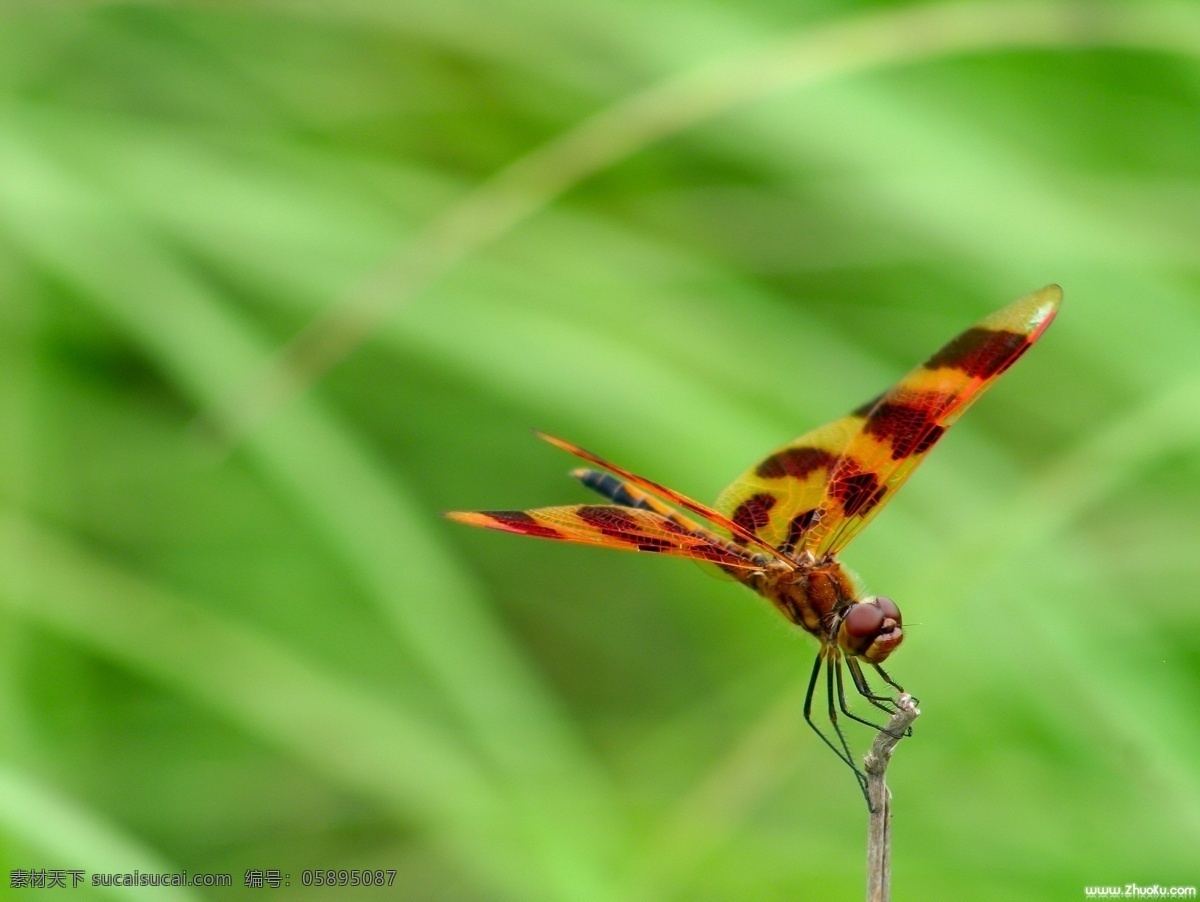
x=822 y=598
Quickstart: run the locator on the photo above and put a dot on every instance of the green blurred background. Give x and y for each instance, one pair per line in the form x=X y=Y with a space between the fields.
x=235 y=634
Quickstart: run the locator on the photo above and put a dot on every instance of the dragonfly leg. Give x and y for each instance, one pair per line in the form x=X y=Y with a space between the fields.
x=882 y=702
x=887 y=679
x=864 y=689
x=843 y=752
x=860 y=681
x=841 y=694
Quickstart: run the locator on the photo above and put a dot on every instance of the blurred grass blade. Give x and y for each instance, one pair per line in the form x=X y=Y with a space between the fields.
x=839 y=48
x=680 y=252
x=66 y=834
x=1134 y=706
x=357 y=741
x=385 y=537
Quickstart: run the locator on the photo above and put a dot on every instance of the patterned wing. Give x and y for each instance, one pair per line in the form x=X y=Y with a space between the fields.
x=819 y=491
x=779 y=498
x=611 y=526
x=740 y=535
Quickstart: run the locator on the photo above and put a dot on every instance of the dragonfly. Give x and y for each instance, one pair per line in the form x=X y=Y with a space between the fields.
x=780 y=526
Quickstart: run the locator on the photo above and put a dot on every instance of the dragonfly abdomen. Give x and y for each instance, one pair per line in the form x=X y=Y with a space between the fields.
x=615 y=490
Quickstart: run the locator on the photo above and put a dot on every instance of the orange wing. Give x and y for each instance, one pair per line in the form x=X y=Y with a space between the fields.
x=816 y=493
x=741 y=535
x=611 y=526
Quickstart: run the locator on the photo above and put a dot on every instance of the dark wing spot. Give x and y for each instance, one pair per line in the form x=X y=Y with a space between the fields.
x=755 y=512
x=928 y=440
x=719 y=556
x=672 y=526
x=610 y=522
x=606 y=518
x=981 y=353
x=866 y=408
x=797 y=527
x=519 y=521
x=617 y=524
x=859 y=490
x=794 y=462
x=909 y=428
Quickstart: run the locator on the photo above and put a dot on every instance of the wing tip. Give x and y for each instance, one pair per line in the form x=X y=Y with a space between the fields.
x=563 y=445
x=1046 y=303
x=1029 y=314
x=1049 y=297
x=484 y=519
x=520 y=522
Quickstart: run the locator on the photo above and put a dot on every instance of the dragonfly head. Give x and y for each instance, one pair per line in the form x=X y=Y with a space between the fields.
x=871 y=629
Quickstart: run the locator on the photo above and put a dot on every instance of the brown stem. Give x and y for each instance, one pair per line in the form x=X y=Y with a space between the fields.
x=879 y=833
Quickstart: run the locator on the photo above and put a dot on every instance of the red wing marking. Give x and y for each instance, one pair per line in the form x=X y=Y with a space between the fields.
x=819 y=491
x=740 y=533
x=627 y=495
x=781 y=495
x=610 y=526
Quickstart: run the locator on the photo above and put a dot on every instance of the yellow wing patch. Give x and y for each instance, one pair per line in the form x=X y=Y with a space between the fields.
x=817 y=492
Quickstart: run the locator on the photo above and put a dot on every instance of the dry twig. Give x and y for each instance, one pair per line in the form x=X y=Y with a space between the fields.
x=879 y=833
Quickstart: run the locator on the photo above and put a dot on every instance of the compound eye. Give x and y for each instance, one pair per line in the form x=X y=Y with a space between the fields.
x=864 y=620
x=888 y=607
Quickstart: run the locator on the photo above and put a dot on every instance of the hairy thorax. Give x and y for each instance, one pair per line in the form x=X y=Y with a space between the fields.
x=820 y=596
